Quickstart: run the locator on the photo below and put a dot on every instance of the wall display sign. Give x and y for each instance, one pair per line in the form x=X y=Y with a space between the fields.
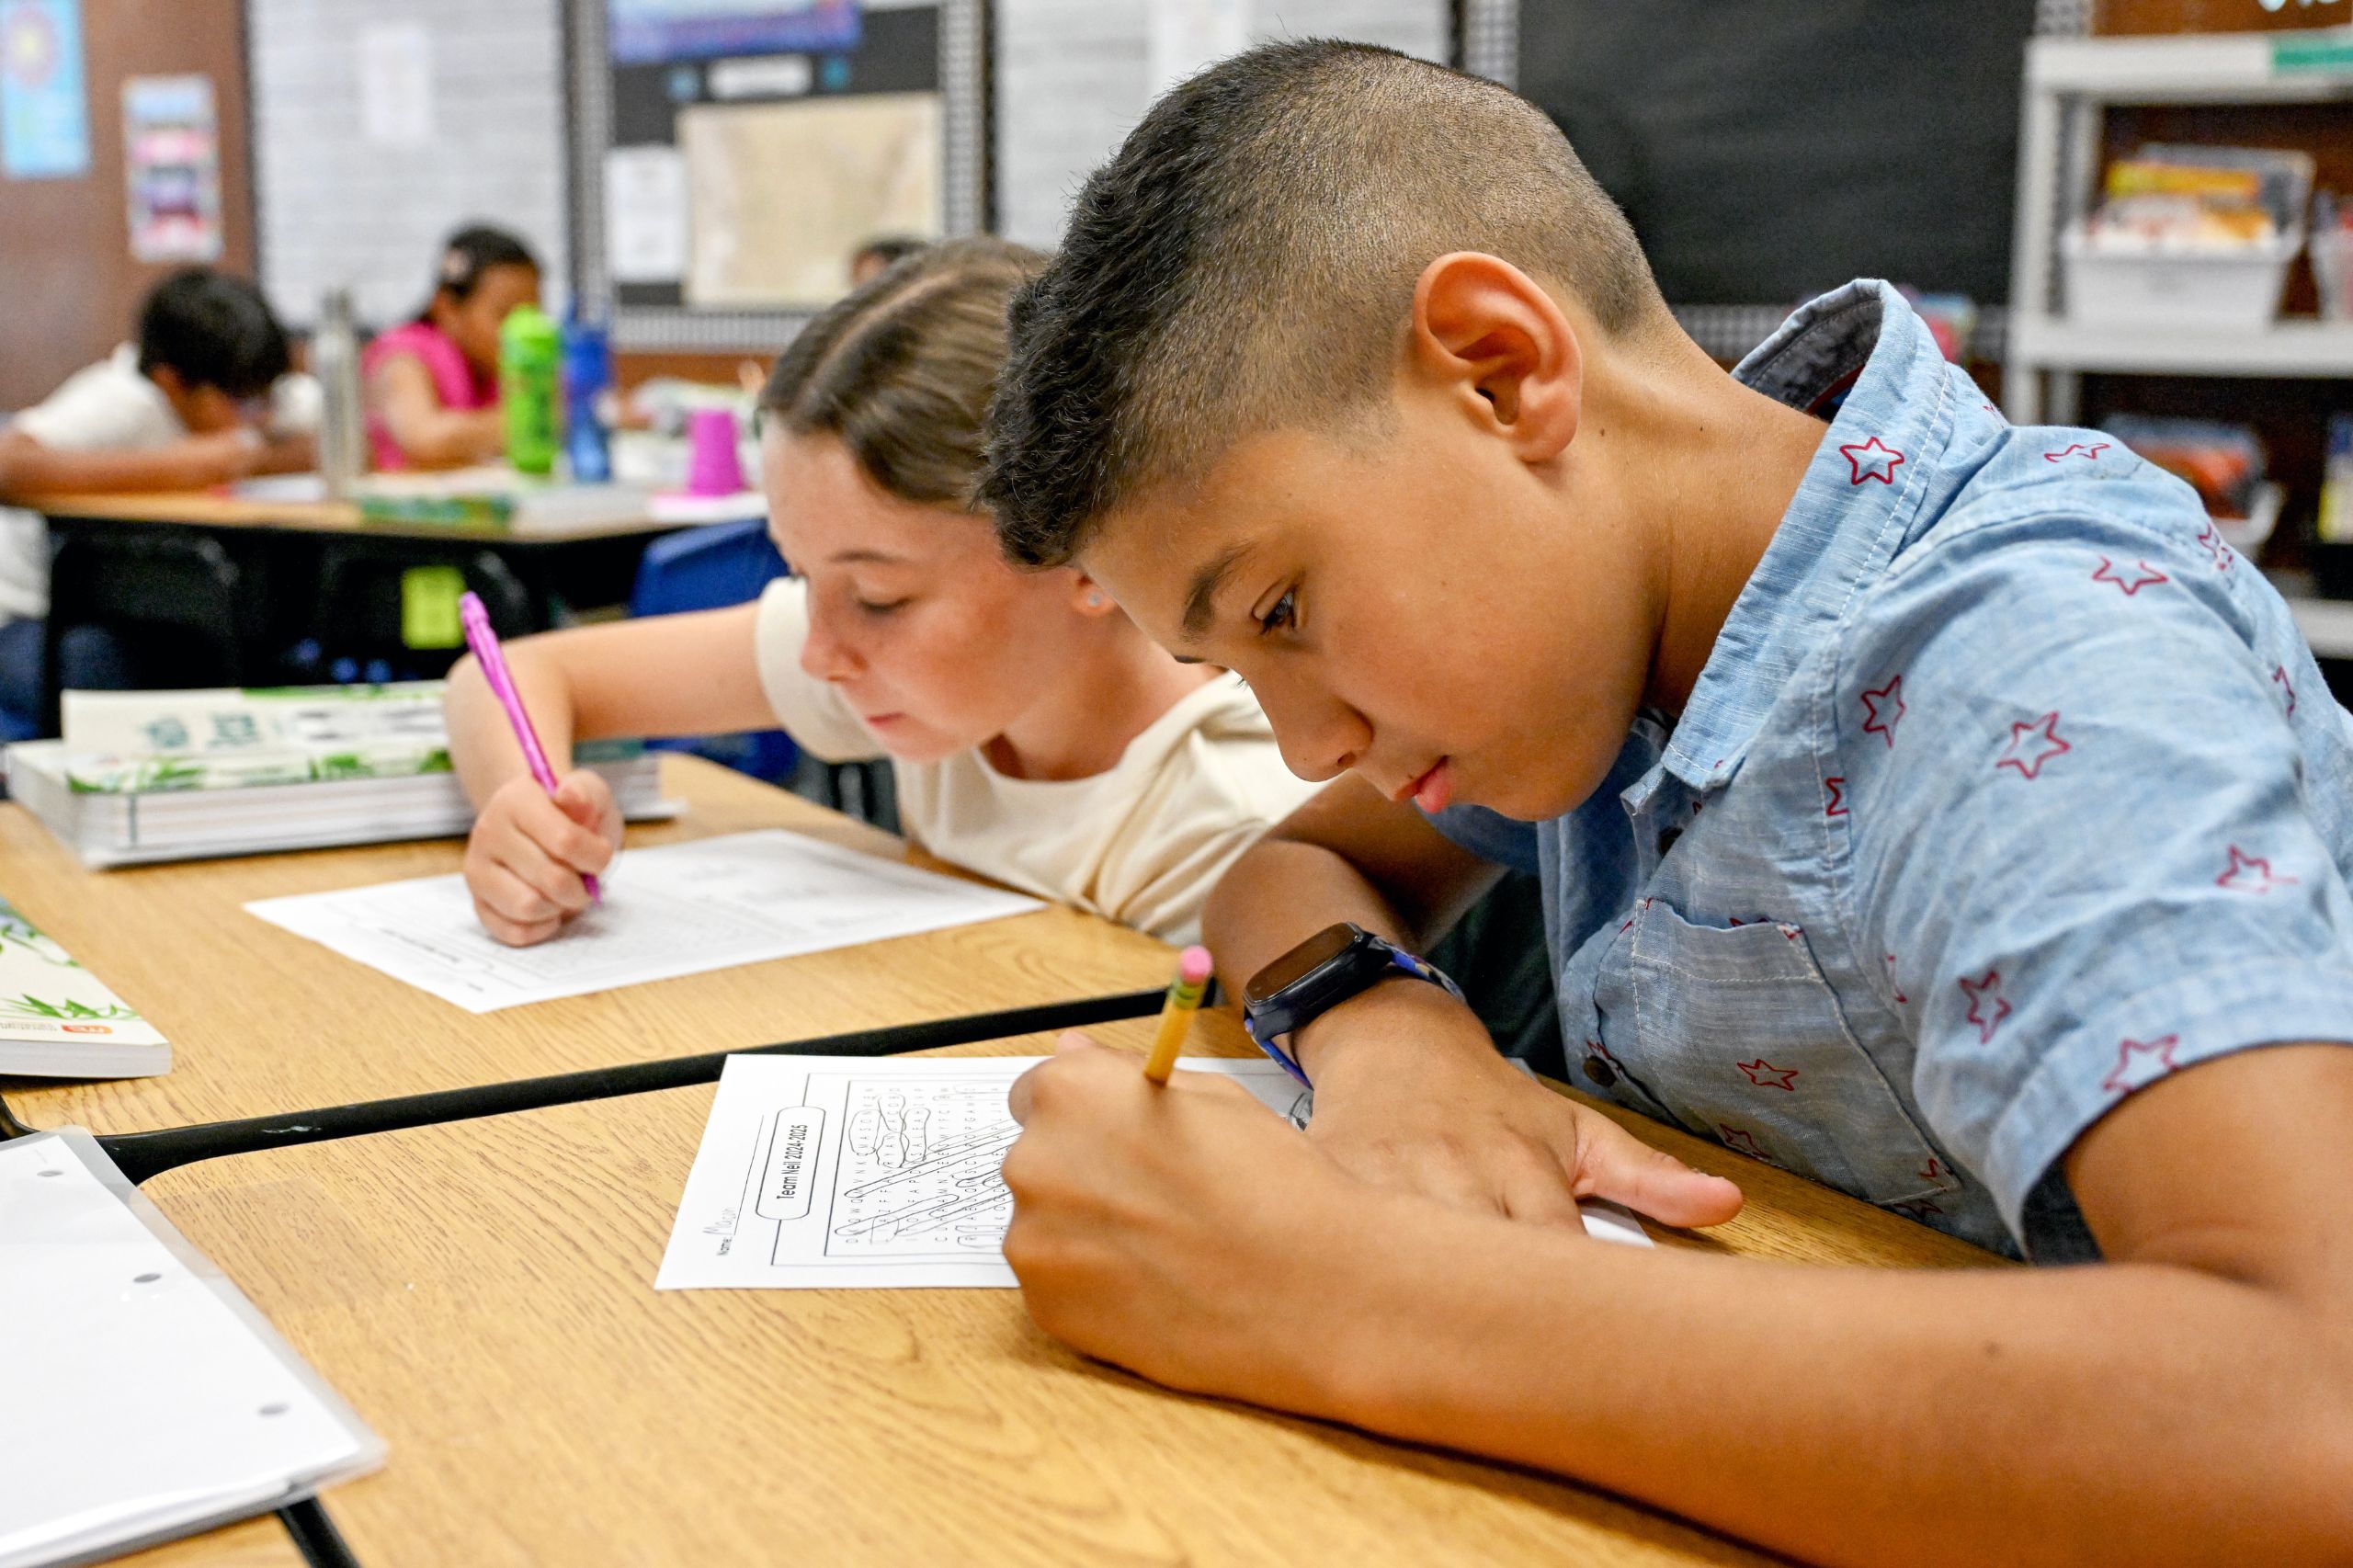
x=657 y=32
x=726 y=194
x=171 y=154
x=44 y=94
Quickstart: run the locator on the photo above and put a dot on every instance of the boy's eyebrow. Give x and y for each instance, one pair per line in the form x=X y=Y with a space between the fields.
x=858 y=557
x=1200 y=600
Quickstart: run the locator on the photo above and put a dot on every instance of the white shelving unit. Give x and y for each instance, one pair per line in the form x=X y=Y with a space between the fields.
x=2069 y=81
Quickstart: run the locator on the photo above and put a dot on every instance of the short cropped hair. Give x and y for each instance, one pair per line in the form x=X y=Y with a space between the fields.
x=212 y=330
x=1247 y=261
x=899 y=371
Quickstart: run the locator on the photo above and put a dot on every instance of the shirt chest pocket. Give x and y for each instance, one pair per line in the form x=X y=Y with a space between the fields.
x=1738 y=1031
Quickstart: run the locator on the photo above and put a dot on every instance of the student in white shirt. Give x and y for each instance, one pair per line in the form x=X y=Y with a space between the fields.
x=204 y=397
x=1035 y=737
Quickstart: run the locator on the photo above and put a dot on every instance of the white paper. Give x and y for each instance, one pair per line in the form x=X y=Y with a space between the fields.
x=396 y=85
x=816 y=1172
x=646 y=214
x=151 y=1398
x=682 y=909
x=1185 y=35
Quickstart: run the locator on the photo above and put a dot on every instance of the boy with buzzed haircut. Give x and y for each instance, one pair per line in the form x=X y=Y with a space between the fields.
x=1936 y=808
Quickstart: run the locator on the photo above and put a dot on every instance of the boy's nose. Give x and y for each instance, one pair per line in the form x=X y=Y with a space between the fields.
x=1320 y=738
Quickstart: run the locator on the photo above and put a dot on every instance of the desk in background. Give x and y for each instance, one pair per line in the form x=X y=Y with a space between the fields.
x=229 y=591
x=263 y=1022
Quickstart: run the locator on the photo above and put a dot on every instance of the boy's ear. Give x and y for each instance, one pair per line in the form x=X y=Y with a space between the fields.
x=1484 y=329
x=1087 y=597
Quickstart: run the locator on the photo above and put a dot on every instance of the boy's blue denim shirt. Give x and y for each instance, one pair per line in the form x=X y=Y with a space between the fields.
x=2007 y=789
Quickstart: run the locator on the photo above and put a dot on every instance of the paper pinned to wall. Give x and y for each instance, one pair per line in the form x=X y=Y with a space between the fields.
x=1188 y=34
x=396 y=85
x=44 y=91
x=820 y=1173
x=171 y=154
x=780 y=194
x=646 y=214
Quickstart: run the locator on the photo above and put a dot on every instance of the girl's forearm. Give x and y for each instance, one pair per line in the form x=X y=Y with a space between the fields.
x=483 y=747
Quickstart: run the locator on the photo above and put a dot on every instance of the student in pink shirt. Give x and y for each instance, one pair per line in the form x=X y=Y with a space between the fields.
x=433 y=383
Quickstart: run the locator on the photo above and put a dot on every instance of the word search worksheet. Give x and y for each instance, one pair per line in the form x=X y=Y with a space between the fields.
x=681 y=909
x=817 y=1172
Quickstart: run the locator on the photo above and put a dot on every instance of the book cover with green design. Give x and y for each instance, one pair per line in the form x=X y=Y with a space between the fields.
x=57 y=1019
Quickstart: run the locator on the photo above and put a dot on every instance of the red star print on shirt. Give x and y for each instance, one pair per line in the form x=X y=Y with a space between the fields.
x=1764 y=1075
x=2032 y=745
x=1837 y=807
x=2246 y=873
x=2279 y=679
x=1918 y=1208
x=1987 y=1006
x=1883 y=710
x=1939 y=1175
x=2142 y=575
x=1901 y=999
x=2216 y=546
x=1873 y=459
x=1740 y=1138
x=2077 y=449
x=2140 y=1062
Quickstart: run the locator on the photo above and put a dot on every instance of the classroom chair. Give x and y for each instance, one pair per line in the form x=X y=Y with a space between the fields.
x=360 y=621
x=174 y=606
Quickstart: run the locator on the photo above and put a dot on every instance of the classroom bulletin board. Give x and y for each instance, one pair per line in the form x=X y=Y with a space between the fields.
x=729 y=155
x=1772 y=149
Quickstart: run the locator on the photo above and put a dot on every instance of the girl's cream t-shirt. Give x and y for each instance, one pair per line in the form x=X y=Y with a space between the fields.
x=1142 y=843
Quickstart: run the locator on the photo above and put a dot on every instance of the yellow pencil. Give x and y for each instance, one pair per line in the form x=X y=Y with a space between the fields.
x=1176 y=1015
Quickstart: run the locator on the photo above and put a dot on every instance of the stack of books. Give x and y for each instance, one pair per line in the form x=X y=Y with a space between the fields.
x=147 y=776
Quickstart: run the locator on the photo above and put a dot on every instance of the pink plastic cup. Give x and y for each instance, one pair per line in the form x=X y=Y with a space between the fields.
x=713 y=466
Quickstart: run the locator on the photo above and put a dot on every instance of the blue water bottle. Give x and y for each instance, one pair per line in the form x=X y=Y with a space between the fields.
x=587 y=377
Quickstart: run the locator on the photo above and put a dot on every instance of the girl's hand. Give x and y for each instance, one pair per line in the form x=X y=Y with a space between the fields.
x=529 y=852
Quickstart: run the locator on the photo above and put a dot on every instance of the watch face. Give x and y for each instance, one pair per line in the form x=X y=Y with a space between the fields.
x=1299 y=962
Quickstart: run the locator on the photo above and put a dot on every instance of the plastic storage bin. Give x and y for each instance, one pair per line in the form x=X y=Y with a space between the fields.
x=2218 y=289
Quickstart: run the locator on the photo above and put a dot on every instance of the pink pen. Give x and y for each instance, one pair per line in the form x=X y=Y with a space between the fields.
x=485 y=642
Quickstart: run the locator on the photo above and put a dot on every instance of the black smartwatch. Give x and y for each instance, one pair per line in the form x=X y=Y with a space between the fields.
x=1316 y=976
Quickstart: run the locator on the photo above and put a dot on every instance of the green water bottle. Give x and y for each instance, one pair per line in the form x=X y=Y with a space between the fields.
x=529 y=359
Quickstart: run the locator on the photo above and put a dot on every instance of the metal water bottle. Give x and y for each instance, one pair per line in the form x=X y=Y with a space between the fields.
x=334 y=360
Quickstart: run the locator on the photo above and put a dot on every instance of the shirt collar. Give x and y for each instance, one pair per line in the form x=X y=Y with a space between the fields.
x=1864 y=485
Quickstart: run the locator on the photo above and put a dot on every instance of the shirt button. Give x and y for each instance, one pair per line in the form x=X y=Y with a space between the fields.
x=1667 y=840
x=1600 y=1072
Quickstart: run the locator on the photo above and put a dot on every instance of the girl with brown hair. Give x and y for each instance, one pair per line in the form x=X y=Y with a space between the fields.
x=1034 y=734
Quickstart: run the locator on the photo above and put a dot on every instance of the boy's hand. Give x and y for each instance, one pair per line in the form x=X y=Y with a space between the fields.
x=1186 y=1231
x=529 y=852
x=1411 y=1094
x=222 y=457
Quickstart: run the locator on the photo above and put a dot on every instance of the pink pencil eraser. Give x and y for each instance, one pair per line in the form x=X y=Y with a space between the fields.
x=1193 y=965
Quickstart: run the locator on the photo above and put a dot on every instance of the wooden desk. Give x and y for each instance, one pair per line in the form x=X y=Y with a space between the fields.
x=225 y=509
x=262 y=1021
x=481 y=1292
x=256 y=1543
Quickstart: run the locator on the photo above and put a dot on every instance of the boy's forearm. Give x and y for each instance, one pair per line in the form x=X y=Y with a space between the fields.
x=2133 y=1412
x=483 y=747
x=29 y=471
x=1278 y=894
